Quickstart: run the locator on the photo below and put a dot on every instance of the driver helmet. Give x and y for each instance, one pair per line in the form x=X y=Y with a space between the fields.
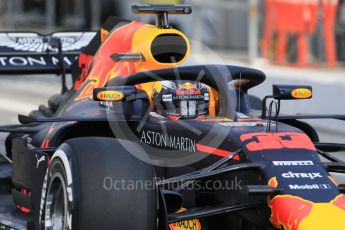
x=182 y=99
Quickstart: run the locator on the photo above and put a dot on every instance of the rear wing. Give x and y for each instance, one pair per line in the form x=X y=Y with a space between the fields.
x=34 y=53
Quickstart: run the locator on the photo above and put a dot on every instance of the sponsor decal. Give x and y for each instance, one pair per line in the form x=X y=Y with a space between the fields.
x=186 y=224
x=39 y=160
x=301 y=93
x=187 y=86
x=188 y=97
x=293 y=213
x=311 y=176
x=167 y=98
x=108 y=104
x=34 y=61
x=264 y=141
x=110 y=95
x=33 y=42
x=309 y=186
x=188 y=92
x=292 y=163
x=188 y=89
x=206 y=96
x=168 y=141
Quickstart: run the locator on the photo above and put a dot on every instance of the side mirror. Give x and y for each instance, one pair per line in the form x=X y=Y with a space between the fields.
x=287 y=92
x=126 y=100
x=292 y=92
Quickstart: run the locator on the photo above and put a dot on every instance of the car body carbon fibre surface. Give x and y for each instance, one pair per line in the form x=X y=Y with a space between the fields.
x=273 y=166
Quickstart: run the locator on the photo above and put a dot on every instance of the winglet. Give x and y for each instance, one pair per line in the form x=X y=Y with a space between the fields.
x=25 y=120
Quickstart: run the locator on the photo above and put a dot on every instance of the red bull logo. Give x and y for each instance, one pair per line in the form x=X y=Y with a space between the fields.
x=288 y=211
x=294 y=213
x=188 y=89
x=187 y=86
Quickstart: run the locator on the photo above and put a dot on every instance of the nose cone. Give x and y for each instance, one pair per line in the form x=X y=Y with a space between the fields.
x=294 y=213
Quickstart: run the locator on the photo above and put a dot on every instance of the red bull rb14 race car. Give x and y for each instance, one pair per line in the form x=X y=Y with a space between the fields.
x=141 y=141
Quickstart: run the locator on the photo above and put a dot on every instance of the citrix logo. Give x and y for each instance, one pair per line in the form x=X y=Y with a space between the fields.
x=301 y=175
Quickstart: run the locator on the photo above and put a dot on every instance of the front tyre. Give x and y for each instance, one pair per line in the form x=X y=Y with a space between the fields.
x=79 y=189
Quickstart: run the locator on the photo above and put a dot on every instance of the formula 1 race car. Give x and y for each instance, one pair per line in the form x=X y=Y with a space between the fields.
x=142 y=142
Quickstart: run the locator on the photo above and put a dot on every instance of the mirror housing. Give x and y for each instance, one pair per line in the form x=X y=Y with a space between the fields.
x=287 y=92
x=292 y=92
x=128 y=100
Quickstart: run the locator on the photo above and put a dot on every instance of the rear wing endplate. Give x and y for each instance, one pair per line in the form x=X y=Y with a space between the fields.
x=34 y=53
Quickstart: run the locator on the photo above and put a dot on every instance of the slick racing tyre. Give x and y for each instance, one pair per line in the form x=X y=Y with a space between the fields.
x=86 y=187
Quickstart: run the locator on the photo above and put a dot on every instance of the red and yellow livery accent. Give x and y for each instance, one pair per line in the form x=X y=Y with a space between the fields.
x=265 y=141
x=273 y=182
x=295 y=213
x=134 y=37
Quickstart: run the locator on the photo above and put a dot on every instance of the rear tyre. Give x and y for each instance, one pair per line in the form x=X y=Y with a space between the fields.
x=94 y=183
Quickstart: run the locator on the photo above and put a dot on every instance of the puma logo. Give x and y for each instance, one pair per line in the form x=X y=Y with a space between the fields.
x=42 y=158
